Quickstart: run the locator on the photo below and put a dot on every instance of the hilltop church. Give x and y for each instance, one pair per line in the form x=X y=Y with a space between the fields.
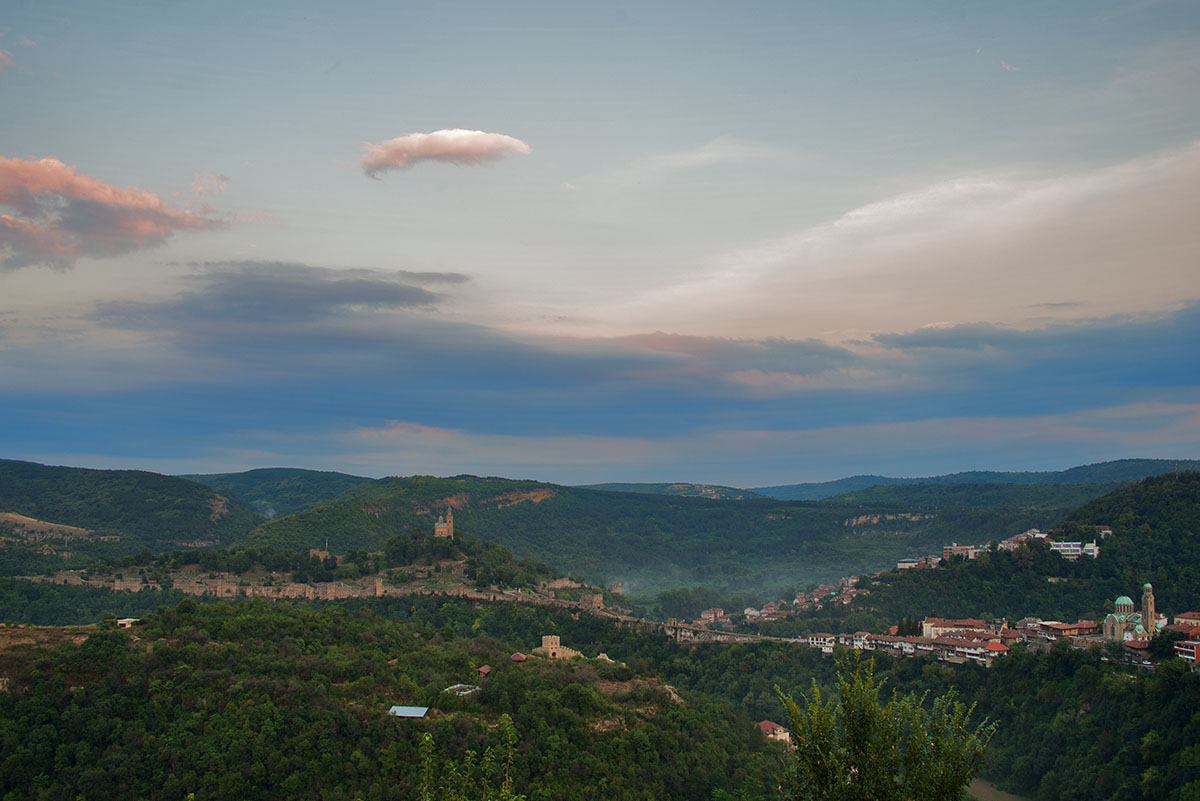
x=1127 y=623
x=444 y=527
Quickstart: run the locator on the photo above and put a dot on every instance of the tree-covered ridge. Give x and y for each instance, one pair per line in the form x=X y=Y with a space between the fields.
x=1155 y=524
x=1120 y=470
x=648 y=542
x=1071 y=726
x=279 y=491
x=979 y=496
x=715 y=491
x=147 y=510
x=271 y=701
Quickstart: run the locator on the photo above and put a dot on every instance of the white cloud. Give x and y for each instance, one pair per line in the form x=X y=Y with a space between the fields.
x=722 y=150
x=1115 y=239
x=453 y=146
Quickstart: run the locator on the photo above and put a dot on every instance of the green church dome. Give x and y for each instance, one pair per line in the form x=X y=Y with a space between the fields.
x=1124 y=599
x=1147 y=586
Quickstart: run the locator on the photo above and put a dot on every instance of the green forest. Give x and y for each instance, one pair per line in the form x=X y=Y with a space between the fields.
x=1119 y=470
x=147 y=510
x=278 y=491
x=651 y=542
x=273 y=701
x=1155 y=525
x=259 y=700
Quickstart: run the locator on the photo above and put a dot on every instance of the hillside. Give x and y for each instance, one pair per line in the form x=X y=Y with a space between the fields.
x=278 y=491
x=271 y=701
x=714 y=491
x=1121 y=470
x=979 y=496
x=122 y=510
x=1155 y=526
x=648 y=542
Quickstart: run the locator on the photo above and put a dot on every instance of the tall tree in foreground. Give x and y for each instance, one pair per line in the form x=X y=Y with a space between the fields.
x=857 y=748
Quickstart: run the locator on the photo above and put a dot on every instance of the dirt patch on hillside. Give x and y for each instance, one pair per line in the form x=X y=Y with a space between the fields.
x=520 y=496
x=611 y=688
x=23 y=524
x=17 y=636
x=218 y=507
x=19 y=644
x=457 y=501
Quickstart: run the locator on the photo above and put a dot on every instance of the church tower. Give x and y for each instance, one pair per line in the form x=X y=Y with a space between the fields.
x=1148 y=616
x=445 y=525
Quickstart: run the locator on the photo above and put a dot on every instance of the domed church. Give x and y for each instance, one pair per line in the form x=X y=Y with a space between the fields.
x=1126 y=622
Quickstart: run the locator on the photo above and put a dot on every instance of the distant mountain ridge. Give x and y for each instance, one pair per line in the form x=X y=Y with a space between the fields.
x=649 y=541
x=683 y=490
x=279 y=491
x=1120 y=470
x=146 y=510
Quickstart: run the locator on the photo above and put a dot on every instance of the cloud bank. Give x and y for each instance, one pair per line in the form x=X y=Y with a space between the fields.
x=62 y=216
x=454 y=146
x=1111 y=240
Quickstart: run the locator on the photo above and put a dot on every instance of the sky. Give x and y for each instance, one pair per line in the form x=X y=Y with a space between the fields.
x=743 y=244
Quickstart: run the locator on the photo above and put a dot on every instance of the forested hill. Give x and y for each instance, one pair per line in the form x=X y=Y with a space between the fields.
x=278 y=491
x=983 y=496
x=146 y=510
x=1121 y=470
x=649 y=542
x=715 y=491
x=1156 y=539
x=264 y=702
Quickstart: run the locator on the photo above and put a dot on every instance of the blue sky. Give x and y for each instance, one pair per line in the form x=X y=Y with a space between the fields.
x=586 y=242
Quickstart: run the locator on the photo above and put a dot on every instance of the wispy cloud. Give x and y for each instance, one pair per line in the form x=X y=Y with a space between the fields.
x=1004 y=65
x=63 y=215
x=5 y=59
x=206 y=184
x=265 y=294
x=986 y=246
x=452 y=146
x=723 y=150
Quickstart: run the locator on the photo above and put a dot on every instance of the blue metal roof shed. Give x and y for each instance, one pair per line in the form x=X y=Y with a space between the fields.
x=408 y=711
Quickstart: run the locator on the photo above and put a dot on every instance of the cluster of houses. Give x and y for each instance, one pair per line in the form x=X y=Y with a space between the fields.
x=1068 y=549
x=949 y=640
x=843 y=592
x=982 y=641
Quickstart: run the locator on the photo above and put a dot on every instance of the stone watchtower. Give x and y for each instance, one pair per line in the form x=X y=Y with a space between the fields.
x=444 y=527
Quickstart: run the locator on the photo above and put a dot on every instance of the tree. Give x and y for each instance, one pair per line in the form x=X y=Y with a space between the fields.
x=856 y=748
x=488 y=779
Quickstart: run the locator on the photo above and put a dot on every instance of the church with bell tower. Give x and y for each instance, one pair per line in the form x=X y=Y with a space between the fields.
x=444 y=527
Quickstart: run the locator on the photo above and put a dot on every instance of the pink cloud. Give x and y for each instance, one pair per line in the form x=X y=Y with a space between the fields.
x=5 y=59
x=209 y=183
x=64 y=216
x=454 y=146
